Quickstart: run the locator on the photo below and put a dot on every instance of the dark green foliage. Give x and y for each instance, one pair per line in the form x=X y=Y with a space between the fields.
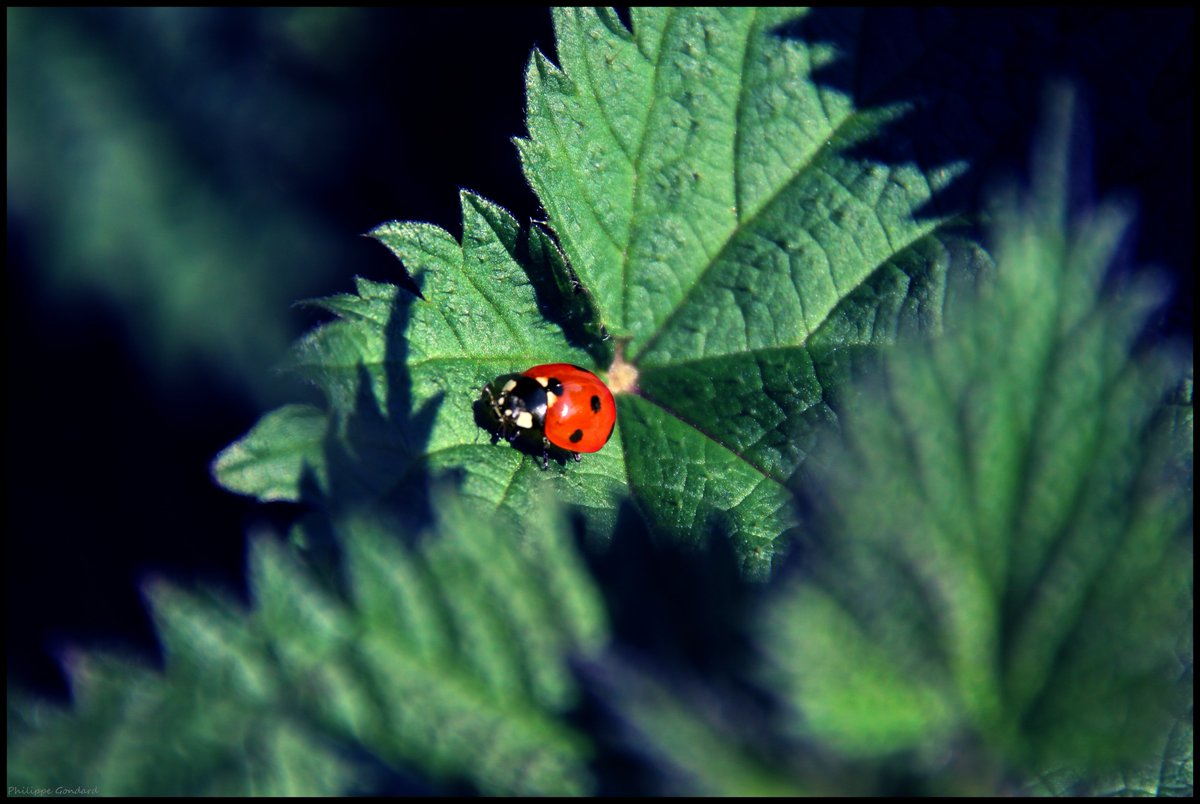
x=992 y=460
x=447 y=661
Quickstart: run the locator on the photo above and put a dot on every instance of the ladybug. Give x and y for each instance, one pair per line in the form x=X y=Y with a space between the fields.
x=554 y=405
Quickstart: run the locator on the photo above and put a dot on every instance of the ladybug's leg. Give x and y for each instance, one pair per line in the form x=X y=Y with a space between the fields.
x=575 y=455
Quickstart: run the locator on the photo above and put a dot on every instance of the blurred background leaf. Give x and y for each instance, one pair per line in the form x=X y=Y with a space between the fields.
x=444 y=666
x=177 y=180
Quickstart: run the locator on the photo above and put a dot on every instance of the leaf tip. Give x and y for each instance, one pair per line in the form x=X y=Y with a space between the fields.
x=383 y=229
x=541 y=67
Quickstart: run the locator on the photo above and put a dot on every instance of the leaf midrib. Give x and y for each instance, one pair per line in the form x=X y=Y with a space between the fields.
x=637 y=173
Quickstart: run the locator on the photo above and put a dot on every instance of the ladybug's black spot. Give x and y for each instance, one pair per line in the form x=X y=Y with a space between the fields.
x=595 y=404
x=576 y=437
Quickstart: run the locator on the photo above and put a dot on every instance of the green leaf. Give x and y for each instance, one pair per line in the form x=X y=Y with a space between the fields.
x=1011 y=554
x=705 y=191
x=715 y=217
x=211 y=726
x=448 y=657
x=271 y=459
x=467 y=648
x=402 y=375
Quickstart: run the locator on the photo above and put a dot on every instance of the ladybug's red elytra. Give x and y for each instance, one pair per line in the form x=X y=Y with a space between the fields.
x=556 y=404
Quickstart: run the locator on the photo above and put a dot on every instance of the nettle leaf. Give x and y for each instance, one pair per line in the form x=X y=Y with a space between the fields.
x=214 y=724
x=718 y=224
x=268 y=462
x=403 y=373
x=1013 y=516
x=449 y=661
x=706 y=192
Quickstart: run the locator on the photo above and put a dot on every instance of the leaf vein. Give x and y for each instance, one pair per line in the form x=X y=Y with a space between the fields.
x=601 y=107
x=712 y=438
x=576 y=178
x=635 y=183
x=742 y=91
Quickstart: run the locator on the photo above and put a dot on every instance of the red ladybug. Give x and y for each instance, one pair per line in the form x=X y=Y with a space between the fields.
x=557 y=404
